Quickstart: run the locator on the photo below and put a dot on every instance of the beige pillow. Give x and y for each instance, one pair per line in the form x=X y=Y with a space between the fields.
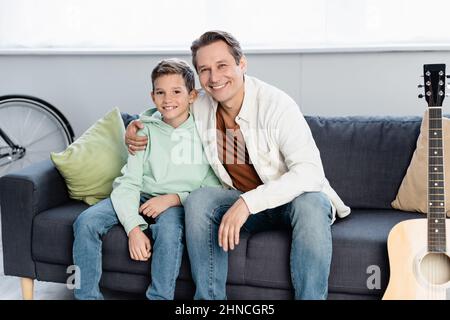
x=413 y=192
x=91 y=163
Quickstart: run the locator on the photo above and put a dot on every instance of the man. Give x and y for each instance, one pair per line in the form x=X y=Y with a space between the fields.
x=260 y=146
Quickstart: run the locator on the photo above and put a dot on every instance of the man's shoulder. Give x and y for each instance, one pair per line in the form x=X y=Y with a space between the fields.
x=270 y=97
x=202 y=97
x=202 y=104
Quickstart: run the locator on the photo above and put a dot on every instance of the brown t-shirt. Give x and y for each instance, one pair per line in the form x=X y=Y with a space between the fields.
x=234 y=155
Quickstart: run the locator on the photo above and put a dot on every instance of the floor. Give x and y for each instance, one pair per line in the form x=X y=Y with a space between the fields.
x=10 y=288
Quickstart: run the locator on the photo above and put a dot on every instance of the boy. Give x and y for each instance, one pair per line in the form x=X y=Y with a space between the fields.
x=160 y=178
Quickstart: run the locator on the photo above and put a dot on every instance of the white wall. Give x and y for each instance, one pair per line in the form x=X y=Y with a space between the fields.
x=86 y=86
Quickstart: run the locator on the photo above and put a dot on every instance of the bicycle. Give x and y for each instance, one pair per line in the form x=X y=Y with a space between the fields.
x=30 y=128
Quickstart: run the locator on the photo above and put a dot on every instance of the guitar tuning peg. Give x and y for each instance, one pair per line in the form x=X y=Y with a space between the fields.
x=448 y=76
x=420 y=86
x=421 y=96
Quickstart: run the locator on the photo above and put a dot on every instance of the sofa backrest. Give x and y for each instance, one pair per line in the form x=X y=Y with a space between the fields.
x=365 y=158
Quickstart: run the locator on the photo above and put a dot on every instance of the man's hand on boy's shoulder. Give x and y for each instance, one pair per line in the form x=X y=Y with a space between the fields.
x=139 y=245
x=132 y=140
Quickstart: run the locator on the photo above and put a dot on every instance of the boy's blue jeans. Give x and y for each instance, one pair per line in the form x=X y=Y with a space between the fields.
x=309 y=216
x=168 y=244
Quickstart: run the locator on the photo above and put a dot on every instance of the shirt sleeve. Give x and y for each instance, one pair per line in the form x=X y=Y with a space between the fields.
x=125 y=196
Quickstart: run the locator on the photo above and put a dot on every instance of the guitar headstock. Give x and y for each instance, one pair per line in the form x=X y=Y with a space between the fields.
x=434 y=84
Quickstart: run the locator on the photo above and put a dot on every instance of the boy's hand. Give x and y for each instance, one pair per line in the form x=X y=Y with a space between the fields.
x=139 y=245
x=132 y=140
x=153 y=207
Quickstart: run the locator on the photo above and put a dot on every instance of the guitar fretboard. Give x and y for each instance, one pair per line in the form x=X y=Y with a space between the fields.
x=436 y=186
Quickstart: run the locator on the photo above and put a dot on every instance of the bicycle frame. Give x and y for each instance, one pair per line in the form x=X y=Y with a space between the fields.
x=15 y=152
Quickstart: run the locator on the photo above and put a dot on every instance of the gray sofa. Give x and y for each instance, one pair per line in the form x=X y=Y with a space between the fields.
x=365 y=159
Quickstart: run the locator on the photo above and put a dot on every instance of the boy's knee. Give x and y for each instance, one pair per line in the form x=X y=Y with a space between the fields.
x=85 y=224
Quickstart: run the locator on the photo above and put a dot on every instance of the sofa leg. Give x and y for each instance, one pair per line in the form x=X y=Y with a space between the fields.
x=27 y=288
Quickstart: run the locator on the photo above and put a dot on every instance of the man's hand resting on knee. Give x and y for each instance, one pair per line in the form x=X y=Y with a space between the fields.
x=132 y=140
x=139 y=245
x=231 y=224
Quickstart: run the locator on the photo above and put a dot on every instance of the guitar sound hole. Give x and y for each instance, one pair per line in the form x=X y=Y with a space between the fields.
x=435 y=268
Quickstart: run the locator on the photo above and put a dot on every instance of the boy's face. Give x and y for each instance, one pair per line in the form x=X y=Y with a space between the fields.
x=218 y=73
x=172 y=98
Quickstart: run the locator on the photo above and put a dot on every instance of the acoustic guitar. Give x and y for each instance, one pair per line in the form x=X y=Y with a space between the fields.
x=418 y=249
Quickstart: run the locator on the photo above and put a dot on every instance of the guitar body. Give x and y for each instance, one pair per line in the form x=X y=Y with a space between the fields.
x=416 y=274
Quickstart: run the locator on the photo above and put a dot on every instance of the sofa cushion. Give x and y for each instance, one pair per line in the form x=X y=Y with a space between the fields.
x=365 y=158
x=413 y=192
x=262 y=259
x=359 y=241
x=52 y=235
x=53 y=240
x=91 y=163
x=360 y=247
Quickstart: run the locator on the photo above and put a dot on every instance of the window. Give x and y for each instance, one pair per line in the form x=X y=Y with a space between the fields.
x=267 y=24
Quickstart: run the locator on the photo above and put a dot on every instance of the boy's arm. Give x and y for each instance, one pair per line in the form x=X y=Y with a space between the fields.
x=210 y=180
x=126 y=193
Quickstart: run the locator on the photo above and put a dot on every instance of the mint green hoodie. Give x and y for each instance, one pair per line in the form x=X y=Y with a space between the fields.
x=172 y=163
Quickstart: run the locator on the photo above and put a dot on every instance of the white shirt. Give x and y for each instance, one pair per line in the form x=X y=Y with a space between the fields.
x=279 y=143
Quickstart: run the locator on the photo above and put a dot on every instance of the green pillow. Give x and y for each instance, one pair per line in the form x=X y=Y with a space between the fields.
x=91 y=163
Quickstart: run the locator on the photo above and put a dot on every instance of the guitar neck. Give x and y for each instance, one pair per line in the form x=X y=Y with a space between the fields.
x=436 y=186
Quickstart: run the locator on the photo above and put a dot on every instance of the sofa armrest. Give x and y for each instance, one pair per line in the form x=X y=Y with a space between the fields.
x=23 y=195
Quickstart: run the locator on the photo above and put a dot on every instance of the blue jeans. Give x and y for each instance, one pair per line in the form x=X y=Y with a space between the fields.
x=309 y=216
x=168 y=244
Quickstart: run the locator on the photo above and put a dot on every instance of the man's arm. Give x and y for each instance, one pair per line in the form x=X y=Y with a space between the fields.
x=132 y=140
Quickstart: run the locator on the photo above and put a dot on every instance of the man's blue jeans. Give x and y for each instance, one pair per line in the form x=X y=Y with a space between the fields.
x=168 y=244
x=309 y=216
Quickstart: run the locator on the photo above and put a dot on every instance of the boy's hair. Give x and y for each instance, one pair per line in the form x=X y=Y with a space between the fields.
x=174 y=66
x=214 y=36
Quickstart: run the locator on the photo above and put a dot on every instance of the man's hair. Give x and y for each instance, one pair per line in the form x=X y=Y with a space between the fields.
x=174 y=66
x=214 y=36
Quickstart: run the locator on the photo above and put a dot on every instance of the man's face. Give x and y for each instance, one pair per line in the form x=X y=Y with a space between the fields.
x=219 y=75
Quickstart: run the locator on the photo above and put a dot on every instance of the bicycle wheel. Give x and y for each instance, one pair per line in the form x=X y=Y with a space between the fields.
x=35 y=127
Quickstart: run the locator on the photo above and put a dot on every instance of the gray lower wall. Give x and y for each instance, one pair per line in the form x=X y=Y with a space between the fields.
x=86 y=86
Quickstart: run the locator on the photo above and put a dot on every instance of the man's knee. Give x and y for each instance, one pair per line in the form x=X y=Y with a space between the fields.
x=203 y=200
x=200 y=197
x=311 y=205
